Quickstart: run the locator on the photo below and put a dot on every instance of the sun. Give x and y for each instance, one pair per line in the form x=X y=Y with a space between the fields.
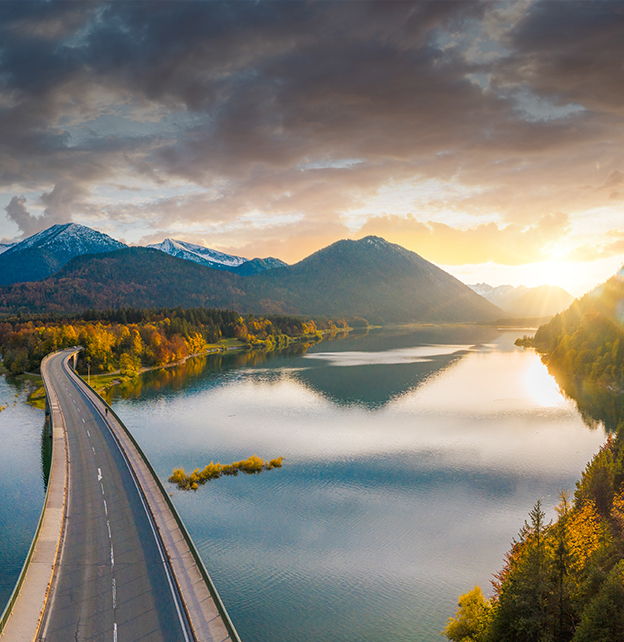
x=551 y=273
x=555 y=272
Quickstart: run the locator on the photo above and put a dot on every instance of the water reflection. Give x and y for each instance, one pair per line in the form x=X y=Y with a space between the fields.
x=187 y=374
x=22 y=480
x=403 y=482
x=420 y=353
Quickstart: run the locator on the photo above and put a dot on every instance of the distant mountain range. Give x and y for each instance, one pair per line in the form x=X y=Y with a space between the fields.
x=199 y=254
x=371 y=278
x=73 y=267
x=216 y=260
x=542 y=301
x=46 y=252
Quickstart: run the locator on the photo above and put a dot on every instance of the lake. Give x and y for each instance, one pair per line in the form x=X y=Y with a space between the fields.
x=411 y=459
x=22 y=488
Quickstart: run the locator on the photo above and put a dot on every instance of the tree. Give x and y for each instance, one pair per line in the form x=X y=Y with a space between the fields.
x=603 y=619
x=472 y=618
x=520 y=614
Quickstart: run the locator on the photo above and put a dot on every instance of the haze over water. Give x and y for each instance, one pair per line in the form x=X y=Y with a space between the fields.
x=411 y=460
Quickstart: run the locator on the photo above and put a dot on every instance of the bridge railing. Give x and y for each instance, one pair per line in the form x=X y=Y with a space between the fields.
x=198 y=560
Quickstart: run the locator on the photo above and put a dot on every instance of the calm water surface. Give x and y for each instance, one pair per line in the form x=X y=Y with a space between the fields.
x=411 y=460
x=21 y=481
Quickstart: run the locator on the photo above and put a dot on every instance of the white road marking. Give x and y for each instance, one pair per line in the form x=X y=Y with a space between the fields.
x=105 y=508
x=115 y=632
x=93 y=449
x=109 y=533
x=83 y=421
x=99 y=475
x=114 y=594
x=88 y=433
x=112 y=556
x=102 y=487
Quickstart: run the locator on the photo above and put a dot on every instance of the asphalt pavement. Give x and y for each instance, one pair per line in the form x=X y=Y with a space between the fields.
x=113 y=583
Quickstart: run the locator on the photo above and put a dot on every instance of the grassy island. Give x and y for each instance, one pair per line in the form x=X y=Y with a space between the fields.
x=251 y=466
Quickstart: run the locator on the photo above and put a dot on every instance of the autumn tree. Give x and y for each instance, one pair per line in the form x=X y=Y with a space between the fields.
x=472 y=618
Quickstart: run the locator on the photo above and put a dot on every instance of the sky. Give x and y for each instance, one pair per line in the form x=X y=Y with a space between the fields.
x=488 y=137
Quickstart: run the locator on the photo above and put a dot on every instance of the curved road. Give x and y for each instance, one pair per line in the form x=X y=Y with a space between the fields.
x=112 y=583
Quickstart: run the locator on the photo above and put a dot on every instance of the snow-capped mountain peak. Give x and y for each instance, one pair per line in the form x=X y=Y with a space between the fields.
x=199 y=254
x=45 y=252
x=69 y=239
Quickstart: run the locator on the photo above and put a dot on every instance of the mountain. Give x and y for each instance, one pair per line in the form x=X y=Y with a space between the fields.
x=254 y=266
x=44 y=253
x=199 y=254
x=542 y=301
x=214 y=259
x=371 y=278
x=378 y=280
x=584 y=348
x=5 y=246
x=501 y=295
x=131 y=277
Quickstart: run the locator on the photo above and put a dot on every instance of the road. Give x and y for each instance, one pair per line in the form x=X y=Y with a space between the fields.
x=112 y=583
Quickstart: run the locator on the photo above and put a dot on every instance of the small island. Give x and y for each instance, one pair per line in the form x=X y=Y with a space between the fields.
x=251 y=466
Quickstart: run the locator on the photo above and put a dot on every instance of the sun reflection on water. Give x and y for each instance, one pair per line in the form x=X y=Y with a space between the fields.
x=540 y=386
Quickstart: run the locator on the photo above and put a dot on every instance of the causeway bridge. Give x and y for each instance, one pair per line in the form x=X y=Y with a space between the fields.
x=111 y=560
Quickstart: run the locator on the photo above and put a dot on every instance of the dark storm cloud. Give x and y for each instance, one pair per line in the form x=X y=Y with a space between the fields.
x=306 y=109
x=571 y=52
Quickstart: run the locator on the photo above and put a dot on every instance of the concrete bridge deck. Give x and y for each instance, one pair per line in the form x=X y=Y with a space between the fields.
x=112 y=560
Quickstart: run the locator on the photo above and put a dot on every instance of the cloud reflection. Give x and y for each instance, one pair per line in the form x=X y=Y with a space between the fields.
x=418 y=354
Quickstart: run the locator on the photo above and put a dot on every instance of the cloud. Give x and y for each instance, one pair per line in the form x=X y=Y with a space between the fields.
x=258 y=126
x=59 y=203
x=440 y=243
x=17 y=212
x=613 y=179
x=570 y=54
x=611 y=246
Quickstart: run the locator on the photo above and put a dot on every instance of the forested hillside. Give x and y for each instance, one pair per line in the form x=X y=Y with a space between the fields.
x=564 y=581
x=129 y=339
x=370 y=278
x=561 y=581
x=584 y=348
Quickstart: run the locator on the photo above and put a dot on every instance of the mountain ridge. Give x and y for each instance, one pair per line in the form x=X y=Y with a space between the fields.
x=370 y=278
x=198 y=254
x=540 y=301
x=45 y=252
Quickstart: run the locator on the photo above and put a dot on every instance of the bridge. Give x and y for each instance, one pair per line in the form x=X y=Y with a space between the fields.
x=111 y=560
